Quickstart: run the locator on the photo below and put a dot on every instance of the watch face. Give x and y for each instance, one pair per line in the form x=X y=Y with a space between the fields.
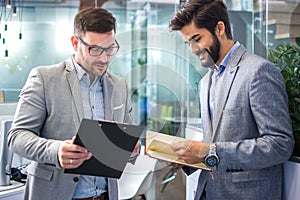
x=211 y=161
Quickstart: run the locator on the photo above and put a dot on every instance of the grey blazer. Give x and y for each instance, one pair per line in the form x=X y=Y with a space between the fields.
x=49 y=111
x=251 y=128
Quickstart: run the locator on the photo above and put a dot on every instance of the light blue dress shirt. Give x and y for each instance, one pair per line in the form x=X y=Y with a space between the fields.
x=93 y=105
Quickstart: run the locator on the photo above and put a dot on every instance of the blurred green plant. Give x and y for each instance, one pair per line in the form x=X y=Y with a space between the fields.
x=286 y=58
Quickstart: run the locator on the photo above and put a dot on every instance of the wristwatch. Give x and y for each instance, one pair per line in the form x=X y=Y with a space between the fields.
x=212 y=160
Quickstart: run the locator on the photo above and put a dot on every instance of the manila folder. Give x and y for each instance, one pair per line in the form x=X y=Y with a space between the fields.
x=158 y=146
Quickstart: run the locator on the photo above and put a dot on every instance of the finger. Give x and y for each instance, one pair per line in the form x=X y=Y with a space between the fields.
x=69 y=163
x=70 y=151
x=76 y=155
x=137 y=147
x=179 y=145
x=76 y=148
x=73 y=161
x=73 y=139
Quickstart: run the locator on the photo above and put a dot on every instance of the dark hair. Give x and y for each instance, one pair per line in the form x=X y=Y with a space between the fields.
x=204 y=13
x=96 y=20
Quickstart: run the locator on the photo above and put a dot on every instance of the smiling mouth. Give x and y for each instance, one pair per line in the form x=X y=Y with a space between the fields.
x=201 y=53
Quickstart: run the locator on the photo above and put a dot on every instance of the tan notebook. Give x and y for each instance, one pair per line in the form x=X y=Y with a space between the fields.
x=158 y=146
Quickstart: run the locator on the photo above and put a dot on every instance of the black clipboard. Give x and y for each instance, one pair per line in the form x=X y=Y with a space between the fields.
x=111 y=144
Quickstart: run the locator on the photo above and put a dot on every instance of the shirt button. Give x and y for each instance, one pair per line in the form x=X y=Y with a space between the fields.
x=75 y=179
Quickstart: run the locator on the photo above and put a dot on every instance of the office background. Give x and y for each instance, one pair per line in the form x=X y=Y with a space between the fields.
x=161 y=72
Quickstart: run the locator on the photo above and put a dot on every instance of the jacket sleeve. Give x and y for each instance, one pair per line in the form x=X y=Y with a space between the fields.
x=24 y=136
x=257 y=121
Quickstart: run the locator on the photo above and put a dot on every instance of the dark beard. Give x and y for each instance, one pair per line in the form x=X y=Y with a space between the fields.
x=209 y=56
x=214 y=49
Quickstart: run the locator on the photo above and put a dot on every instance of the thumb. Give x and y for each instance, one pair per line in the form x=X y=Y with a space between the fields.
x=73 y=139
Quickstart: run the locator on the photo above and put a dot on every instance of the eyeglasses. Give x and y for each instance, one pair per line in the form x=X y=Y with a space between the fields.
x=97 y=50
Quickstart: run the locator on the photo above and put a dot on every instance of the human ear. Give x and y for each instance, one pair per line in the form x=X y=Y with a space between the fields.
x=75 y=42
x=220 y=28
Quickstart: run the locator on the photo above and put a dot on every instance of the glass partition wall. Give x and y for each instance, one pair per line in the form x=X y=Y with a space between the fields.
x=161 y=72
x=158 y=67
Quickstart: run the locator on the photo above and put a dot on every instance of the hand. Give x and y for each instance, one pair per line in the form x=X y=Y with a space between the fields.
x=191 y=151
x=136 y=149
x=71 y=155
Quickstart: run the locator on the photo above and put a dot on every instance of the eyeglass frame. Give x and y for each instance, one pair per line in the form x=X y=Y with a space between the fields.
x=100 y=48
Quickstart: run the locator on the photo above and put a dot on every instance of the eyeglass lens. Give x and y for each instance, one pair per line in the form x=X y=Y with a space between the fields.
x=97 y=50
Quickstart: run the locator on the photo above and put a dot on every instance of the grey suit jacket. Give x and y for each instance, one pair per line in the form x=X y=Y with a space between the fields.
x=49 y=111
x=251 y=128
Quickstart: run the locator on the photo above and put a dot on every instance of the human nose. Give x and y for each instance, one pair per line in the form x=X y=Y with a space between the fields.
x=194 y=47
x=103 y=57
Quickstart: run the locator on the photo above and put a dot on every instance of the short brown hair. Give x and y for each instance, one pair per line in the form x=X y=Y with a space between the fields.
x=204 y=13
x=96 y=20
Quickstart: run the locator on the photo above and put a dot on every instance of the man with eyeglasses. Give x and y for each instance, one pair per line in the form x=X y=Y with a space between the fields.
x=53 y=102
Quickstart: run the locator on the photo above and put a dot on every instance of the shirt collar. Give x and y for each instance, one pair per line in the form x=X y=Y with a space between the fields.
x=81 y=72
x=225 y=60
x=229 y=54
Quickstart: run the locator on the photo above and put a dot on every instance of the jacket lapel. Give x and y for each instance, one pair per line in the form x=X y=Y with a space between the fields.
x=107 y=93
x=75 y=88
x=223 y=95
x=205 y=113
x=229 y=76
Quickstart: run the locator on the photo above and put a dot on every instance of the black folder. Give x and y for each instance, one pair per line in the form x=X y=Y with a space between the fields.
x=111 y=144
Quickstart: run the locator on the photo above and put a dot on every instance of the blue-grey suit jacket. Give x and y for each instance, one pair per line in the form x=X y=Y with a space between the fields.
x=252 y=130
x=49 y=111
